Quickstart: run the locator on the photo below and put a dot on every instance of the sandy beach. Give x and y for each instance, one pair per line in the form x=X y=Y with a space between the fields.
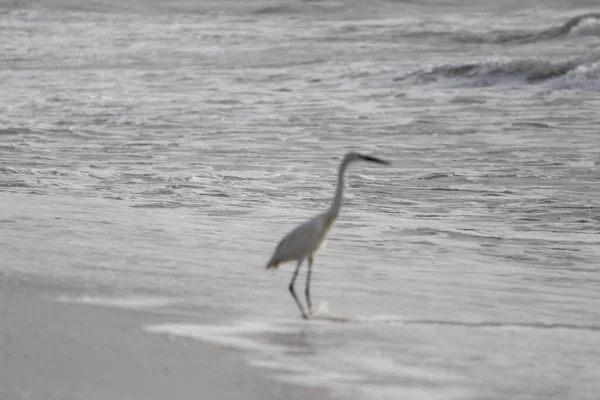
x=54 y=350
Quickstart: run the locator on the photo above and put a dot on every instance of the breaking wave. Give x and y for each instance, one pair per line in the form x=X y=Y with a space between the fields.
x=574 y=73
x=587 y=24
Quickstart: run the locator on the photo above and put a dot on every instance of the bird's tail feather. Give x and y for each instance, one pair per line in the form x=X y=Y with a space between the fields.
x=272 y=264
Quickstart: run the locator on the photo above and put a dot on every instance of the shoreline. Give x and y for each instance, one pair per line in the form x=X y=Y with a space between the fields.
x=56 y=350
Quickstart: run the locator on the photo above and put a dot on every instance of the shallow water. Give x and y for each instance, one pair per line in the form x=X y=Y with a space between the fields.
x=153 y=155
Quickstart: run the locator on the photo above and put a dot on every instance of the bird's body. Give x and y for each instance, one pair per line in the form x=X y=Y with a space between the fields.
x=304 y=241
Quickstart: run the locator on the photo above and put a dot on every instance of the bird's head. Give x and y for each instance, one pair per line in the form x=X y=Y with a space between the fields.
x=354 y=156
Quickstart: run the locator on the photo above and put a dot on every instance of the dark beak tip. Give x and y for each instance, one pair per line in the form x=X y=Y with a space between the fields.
x=375 y=159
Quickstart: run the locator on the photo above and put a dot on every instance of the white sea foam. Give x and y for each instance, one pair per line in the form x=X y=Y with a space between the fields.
x=121 y=302
x=231 y=336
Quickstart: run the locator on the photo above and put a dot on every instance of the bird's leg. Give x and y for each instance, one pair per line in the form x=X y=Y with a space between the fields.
x=307 y=290
x=291 y=287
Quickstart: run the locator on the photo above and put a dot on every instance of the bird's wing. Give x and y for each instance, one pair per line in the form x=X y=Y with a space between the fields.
x=302 y=233
x=301 y=241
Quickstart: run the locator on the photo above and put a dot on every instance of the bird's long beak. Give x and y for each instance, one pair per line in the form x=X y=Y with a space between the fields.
x=374 y=159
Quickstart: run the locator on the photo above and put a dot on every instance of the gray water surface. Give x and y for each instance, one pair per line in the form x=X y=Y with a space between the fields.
x=161 y=150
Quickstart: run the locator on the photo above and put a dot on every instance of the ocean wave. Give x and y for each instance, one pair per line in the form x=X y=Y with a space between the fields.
x=587 y=24
x=304 y=7
x=439 y=29
x=277 y=10
x=574 y=73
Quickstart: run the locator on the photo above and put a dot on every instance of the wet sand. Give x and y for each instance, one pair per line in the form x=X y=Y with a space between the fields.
x=59 y=351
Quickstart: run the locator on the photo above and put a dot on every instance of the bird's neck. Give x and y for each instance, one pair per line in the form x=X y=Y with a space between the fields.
x=339 y=192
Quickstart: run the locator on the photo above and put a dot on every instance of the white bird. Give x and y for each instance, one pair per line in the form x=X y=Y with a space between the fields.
x=303 y=242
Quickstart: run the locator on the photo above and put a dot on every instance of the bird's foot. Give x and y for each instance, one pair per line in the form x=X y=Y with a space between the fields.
x=307 y=315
